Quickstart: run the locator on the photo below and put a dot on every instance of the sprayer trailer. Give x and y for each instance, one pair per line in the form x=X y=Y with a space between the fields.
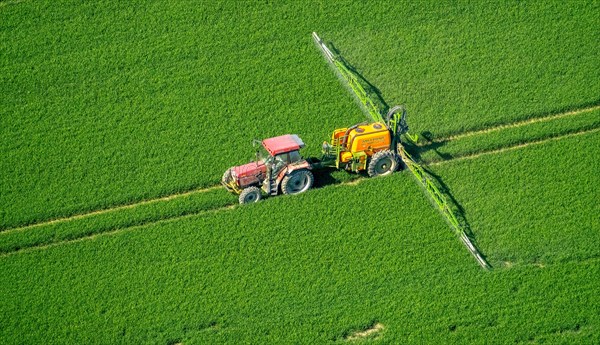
x=370 y=147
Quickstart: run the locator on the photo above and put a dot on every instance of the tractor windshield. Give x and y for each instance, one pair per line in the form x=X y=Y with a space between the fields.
x=262 y=155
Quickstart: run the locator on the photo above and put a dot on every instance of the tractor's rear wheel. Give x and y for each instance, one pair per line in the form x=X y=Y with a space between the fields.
x=382 y=163
x=297 y=182
x=250 y=195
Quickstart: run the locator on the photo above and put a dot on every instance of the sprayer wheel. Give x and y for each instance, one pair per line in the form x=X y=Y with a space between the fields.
x=382 y=163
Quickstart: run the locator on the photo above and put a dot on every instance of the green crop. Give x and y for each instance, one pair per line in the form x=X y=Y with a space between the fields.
x=532 y=205
x=108 y=109
x=107 y=104
x=308 y=269
x=510 y=136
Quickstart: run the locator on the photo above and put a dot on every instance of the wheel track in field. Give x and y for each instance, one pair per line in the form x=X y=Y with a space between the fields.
x=114 y=231
x=512 y=147
x=511 y=125
x=233 y=206
x=111 y=209
x=506 y=265
x=214 y=187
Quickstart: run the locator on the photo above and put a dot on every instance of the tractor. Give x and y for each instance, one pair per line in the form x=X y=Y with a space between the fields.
x=278 y=167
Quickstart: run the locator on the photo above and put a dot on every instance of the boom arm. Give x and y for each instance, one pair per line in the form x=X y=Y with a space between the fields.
x=396 y=121
x=350 y=78
x=443 y=206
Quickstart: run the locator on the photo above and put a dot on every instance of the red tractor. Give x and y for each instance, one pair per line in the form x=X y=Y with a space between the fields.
x=278 y=168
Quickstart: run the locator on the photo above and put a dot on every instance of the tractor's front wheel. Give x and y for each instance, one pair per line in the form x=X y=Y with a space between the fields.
x=297 y=182
x=382 y=163
x=250 y=195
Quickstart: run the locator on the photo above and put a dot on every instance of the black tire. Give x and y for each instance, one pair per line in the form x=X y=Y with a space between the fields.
x=226 y=176
x=382 y=163
x=402 y=127
x=250 y=195
x=298 y=181
x=394 y=110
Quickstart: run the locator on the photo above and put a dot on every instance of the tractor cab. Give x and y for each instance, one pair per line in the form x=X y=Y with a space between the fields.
x=278 y=167
x=280 y=151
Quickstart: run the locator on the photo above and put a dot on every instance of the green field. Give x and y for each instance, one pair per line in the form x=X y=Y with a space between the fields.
x=118 y=120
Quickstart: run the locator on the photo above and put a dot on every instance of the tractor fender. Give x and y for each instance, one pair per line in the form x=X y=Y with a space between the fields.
x=291 y=168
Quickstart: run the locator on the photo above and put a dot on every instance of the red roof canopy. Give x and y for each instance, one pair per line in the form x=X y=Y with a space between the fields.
x=282 y=144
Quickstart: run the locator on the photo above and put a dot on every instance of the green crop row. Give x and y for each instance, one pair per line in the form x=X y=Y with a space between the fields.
x=314 y=268
x=506 y=137
x=107 y=103
x=119 y=218
x=113 y=220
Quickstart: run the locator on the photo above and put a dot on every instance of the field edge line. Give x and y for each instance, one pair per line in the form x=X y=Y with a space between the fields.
x=118 y=230
x=109 y=209
x=515 y=124
x=511 y=147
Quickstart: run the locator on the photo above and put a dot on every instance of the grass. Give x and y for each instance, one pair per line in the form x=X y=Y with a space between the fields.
x=488 y=141
x=112 y=104
x=241 y=276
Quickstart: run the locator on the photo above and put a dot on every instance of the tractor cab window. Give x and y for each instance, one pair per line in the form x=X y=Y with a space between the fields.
x=263 y=155
x=283 y=157
x=295 y=156
x=288 y=157
x=279 y=162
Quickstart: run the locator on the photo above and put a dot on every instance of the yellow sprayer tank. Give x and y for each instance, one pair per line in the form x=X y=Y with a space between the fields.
x=370 y=138
x=367 y=138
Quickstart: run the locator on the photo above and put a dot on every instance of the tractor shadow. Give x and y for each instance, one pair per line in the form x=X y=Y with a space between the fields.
x=331 y=176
